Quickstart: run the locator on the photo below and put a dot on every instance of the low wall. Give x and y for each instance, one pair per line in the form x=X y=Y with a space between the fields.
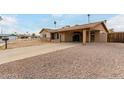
x=116 y=37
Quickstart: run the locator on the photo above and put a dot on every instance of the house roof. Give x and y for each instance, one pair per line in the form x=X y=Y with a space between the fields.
x=77 y=27
x=49 y=30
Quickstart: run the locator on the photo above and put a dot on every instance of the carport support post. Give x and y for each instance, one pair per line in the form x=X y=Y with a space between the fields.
x=89 y=37
x=60 y=37
x=84 y=37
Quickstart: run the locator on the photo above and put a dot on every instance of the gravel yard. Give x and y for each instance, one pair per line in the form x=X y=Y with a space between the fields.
x=98 y=60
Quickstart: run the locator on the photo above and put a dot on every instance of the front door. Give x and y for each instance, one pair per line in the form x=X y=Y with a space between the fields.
x=76 y=36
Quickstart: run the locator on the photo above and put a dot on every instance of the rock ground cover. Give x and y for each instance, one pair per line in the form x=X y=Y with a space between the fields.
x=98 y=60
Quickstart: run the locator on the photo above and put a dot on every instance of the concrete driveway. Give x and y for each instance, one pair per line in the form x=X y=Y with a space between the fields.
x=21 y=53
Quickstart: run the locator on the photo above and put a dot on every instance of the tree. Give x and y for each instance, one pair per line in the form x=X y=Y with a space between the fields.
x=111 y=30
x=1 y=18
x=15 y=33
x=33 y=35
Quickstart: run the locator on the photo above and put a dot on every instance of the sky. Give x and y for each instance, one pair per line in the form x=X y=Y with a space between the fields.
x=33 y=23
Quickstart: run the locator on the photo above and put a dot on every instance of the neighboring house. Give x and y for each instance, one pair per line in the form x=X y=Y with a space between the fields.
x=11 y=37
x=92 y=32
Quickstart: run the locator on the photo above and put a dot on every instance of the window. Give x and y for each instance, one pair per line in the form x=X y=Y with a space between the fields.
x=44 y=35
x=54 y=35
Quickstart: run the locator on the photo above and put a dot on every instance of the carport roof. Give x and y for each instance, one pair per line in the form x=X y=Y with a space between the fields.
x=76 y=27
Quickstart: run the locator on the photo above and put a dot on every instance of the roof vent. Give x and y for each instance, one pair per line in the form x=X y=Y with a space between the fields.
x=67 y=26
x=76 y=25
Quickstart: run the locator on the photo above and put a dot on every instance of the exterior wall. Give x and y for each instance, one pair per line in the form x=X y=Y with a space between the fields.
x=99 y=27
x=48 y=35
x=55 y=38
x=97 y=36
x=62 y=37
x=68 y=36
x=103 y=36
x=100 y=36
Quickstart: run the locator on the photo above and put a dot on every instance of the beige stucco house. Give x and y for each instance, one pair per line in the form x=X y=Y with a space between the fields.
x=92 y=32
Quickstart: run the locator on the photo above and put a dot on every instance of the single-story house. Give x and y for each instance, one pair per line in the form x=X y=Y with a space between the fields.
x=92 y=32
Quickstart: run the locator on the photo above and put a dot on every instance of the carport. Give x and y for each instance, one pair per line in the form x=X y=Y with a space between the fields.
x=87 y=33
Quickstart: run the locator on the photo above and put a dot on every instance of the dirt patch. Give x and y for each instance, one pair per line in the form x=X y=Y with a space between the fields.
x=23 y=43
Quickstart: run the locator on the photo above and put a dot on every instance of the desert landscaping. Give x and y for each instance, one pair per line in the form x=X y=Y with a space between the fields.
x=86 y=50
x=95 y=60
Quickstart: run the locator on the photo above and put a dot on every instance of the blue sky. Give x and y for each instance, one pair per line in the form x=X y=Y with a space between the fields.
x=32 y=23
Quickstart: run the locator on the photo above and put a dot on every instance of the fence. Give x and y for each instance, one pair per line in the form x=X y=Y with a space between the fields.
x=116 y=37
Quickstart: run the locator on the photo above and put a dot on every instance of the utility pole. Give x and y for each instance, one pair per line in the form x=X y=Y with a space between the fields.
x=1 y=20
x=5 y=39
x=55 y=23
x=88 y=18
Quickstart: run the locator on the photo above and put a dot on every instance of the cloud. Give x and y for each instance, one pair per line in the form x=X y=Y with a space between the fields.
x=117 y=23
x=45 y=20
x=8 y=21
x=66 y=16
x=57 y=15
x=67 y=19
